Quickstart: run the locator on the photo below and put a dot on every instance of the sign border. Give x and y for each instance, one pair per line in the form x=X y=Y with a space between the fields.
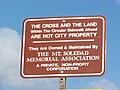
x=64 y=18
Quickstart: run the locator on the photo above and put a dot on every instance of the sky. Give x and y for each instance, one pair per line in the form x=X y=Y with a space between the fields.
x=12 y=14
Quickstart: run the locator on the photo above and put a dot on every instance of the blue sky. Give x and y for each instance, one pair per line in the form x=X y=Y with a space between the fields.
x=12 y=14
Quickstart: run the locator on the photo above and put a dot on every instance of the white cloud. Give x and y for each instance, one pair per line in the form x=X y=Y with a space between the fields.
x=10 y=64
x=104 y=84
x=118 y=2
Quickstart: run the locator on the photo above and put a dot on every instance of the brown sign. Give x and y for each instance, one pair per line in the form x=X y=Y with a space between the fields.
x=63 y=47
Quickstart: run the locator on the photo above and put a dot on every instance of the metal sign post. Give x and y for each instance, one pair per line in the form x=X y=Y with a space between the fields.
x=62 y=83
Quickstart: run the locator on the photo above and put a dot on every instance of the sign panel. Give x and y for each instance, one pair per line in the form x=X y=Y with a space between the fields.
x=63 y=46
x=84 y=89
